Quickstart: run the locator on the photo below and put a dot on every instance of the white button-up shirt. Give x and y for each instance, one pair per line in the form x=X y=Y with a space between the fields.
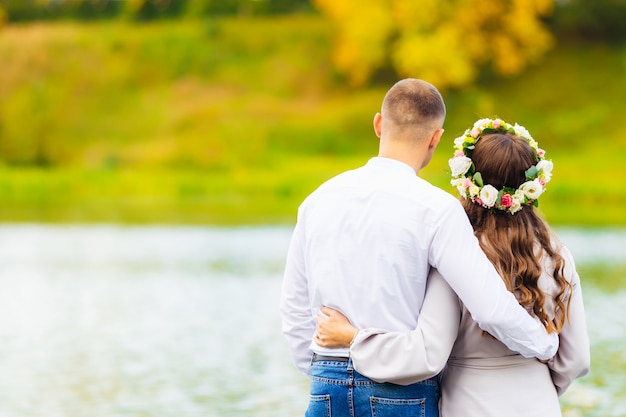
x=364 y=243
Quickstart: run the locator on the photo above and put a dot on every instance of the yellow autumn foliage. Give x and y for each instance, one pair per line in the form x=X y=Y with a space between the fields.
x=446 y=42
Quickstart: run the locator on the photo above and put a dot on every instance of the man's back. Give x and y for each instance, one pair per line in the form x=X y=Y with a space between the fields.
x=366 y=240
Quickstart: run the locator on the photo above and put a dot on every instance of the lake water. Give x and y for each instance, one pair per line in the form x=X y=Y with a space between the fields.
x=110 y=321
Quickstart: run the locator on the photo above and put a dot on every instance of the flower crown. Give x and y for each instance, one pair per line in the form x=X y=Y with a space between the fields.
x=469 y=183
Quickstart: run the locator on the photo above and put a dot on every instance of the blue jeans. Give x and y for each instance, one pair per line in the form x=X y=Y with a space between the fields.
x=337 y=390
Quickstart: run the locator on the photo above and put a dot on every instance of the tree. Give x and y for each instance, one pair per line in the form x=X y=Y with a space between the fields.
x=446 y=42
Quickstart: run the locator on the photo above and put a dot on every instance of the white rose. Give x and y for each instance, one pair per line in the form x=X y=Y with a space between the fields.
x=532 y=189
x=519 y=196
x=546 y=168
x=458 y=142
x=518 y=199
x=458 y=183
x=522 y=132
x=474 y=190
x=481 y=123
x=488 y=195
x=459 y=165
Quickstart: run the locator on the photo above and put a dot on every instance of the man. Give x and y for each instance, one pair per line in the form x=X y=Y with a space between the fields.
x=364 y=243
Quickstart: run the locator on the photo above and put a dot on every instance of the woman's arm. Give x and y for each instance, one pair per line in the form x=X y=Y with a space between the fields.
x=573 y=357
x=333 y=329
x=456 y=253
x=401 y=357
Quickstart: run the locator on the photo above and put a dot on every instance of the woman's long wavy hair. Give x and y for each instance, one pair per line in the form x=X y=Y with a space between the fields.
x=515 y=243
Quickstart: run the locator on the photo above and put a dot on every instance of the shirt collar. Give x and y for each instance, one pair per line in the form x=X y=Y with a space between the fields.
x=391 y=165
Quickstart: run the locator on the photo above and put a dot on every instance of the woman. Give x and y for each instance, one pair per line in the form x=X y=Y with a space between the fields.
x=500 y=172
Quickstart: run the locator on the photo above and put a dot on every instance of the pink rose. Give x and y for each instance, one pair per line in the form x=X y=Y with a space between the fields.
x=507 y=200
x=459 y=153
x=541 y=152
x=467 y=183
x=475 y=132
x=542 y=182
x=479 y=201
x=496 y=124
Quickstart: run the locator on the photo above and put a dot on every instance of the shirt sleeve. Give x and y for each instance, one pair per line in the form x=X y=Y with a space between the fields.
x=407 y=357
x=298 y=324
x=456 y=253
x=573 y=357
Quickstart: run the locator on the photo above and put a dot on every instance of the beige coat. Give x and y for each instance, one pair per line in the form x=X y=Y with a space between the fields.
x=481 y=376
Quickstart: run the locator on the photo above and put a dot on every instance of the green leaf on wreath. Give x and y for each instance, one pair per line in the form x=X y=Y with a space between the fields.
x=531 y=173
x=478 y=179
x=499 y=197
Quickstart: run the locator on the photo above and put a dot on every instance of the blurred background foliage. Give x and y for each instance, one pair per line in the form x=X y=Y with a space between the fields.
x=231 y=111
x=446 y=42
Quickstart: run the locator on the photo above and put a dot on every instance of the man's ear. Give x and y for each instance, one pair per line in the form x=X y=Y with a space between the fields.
x=435 y=138
x=378 y=124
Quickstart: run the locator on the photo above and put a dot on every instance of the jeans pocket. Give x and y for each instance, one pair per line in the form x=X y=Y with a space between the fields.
x=398 y=407
x=319 y=406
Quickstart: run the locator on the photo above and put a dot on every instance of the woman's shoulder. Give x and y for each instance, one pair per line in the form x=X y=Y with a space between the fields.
x=567 y=268
x=569 y=264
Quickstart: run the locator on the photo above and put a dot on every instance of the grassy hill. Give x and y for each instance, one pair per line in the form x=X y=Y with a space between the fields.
x=235 y=120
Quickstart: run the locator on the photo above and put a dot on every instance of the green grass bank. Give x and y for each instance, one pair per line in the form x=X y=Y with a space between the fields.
x=234 y=121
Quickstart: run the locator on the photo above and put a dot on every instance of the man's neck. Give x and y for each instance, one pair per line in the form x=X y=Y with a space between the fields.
x=408 y=155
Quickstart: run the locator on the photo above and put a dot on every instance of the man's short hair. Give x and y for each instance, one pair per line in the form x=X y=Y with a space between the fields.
x=414 y=102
